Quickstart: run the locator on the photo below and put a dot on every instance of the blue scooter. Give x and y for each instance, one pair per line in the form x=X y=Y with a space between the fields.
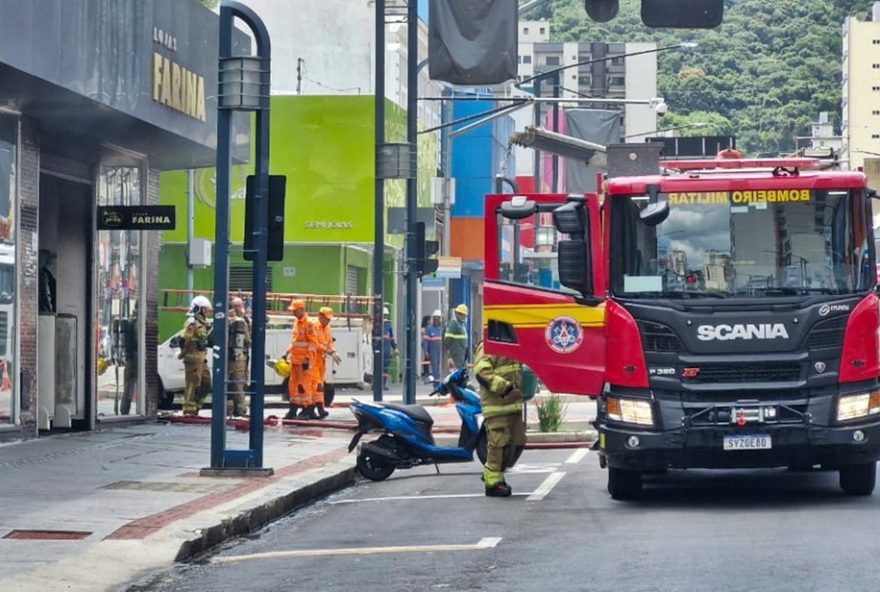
x=406 y=439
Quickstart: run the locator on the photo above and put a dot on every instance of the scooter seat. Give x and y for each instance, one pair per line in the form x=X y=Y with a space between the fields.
x=417 y=412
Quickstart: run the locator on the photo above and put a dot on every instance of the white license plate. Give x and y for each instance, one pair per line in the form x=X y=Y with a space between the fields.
x=757 y=442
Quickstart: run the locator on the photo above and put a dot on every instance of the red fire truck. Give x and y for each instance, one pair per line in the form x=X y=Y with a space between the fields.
x=723 y=312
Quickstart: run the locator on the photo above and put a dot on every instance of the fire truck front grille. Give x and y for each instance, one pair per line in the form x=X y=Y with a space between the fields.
x=827 y=334
x=718 y=372
x=658 y=338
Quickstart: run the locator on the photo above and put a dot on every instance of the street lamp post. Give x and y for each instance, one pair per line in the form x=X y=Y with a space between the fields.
x=244 y=83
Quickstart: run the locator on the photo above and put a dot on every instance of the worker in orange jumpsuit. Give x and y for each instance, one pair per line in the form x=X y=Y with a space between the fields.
x=325 y=349
x=301 y=355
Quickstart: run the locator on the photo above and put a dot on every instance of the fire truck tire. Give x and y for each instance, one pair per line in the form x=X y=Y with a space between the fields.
x=858 y=479
x=624 y=484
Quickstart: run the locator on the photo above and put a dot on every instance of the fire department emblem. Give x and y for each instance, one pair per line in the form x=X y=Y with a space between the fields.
x=564 y=335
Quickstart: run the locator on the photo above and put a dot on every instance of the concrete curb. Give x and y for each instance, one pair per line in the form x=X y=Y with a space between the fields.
x=253 y=519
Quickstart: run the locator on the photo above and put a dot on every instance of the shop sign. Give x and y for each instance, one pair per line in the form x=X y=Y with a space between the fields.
x=136 y=217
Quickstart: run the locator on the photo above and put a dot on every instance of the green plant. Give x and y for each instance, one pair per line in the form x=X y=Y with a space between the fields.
x=551 y=412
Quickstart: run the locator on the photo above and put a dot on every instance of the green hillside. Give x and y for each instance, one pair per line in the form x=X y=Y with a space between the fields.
x=763 y=76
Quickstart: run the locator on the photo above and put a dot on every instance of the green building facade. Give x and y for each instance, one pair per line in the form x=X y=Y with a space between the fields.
x=325 y=145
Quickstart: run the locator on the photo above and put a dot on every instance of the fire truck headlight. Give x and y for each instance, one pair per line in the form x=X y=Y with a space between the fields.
x=635 y=411
x=856 y=406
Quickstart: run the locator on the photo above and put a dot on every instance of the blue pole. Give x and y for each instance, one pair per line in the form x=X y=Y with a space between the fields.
x=221 y=259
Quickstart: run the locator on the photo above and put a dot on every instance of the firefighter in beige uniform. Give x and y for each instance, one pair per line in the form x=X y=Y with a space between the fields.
x=239 y=356
x=194 y=343
x=501 y=396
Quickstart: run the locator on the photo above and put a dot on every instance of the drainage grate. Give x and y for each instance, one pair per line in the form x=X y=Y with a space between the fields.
x=47 y=535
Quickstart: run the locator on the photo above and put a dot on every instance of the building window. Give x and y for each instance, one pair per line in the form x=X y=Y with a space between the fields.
x=542 y=30
x=8 y=221
x=584 y=79
x=525 y=30
x=616 y=81
x=552 y=61
x=527 y=59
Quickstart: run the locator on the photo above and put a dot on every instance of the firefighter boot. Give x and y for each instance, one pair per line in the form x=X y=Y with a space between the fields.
x=307 y=413
x=500 y=490
x=291 y=413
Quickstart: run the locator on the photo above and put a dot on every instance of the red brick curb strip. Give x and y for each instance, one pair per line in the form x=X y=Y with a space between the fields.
x=249 y=520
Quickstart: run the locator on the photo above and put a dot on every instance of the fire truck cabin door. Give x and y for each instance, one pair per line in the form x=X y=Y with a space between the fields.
x=528 y=314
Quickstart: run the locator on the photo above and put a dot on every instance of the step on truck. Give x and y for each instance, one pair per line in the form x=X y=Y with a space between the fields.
x=723 y=312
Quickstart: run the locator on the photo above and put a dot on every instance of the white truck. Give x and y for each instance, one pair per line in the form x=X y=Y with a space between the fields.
x=352 y=337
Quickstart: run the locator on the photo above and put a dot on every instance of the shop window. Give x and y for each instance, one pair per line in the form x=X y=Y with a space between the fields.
x=8 y=319
x=119 y=316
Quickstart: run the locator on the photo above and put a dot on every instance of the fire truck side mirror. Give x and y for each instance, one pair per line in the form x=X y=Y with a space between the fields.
x=575 y=271
x=574 y=257
x=518 y=208
x=655 y=213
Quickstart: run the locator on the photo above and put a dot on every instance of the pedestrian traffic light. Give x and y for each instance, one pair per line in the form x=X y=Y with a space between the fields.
x=426 y=251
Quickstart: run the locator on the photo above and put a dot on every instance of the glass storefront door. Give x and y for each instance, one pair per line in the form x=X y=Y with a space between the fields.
x=8 y=215
x=119 y=326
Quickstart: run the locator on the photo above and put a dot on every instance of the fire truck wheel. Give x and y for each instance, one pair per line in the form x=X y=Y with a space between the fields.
x=858 y=479
x=624 y=484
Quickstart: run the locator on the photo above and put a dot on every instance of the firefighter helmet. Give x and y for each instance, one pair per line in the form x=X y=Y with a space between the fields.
x=282 y=368
x=200 y=304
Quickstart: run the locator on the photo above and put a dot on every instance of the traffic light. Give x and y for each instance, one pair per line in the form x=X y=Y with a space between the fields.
x=426 y=251
x=275 y=235
x=674 y=14
x=602 y=10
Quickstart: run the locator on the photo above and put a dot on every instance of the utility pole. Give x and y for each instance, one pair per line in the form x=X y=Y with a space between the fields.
x=412 y=203
x=379 y=217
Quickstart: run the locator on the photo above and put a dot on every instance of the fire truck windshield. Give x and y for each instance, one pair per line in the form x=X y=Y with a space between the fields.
x=753 y=243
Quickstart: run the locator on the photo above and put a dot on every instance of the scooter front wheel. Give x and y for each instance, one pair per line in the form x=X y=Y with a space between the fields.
x=373 y=467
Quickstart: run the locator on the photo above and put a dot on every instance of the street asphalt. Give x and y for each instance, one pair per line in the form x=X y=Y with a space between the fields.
x=693 y=530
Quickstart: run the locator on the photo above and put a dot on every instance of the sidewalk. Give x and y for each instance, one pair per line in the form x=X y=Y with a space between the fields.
x=93 y=511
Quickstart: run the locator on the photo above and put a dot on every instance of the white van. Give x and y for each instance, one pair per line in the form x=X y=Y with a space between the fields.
x=352 y=344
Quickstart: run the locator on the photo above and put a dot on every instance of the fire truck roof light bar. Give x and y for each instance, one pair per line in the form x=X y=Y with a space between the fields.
x=741 y=163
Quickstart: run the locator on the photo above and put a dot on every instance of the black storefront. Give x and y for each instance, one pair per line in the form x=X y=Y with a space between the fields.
x=96 y=98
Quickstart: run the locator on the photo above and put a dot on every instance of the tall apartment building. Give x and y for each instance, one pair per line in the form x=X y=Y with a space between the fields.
x=617 y=76
x=860 y=108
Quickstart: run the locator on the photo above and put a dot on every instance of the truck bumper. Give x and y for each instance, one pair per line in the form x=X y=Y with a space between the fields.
x=702 y=447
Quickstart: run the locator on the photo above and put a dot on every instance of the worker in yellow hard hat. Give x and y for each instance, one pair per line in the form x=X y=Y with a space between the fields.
x=301 y=354
x=325 y=349
x=456 y=338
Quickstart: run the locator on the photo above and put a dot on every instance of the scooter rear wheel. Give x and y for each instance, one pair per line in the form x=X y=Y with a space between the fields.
x=373 y=467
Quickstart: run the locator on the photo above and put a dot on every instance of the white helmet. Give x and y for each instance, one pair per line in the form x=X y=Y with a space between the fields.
x=437 y=313
x=200 y=303
x=385 y=311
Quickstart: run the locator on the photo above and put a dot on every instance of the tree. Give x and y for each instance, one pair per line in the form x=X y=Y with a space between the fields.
x=210 y=4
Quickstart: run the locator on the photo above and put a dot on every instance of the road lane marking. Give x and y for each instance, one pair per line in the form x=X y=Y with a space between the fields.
x=482 y=544
x=412 y=497
x=577 y=456
x=546 y=487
